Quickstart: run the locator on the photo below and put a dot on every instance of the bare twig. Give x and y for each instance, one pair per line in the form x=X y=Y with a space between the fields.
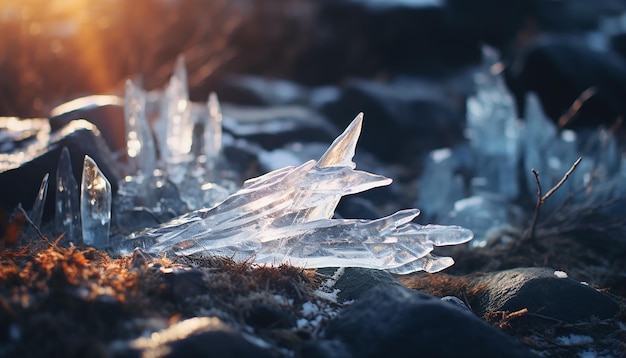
x=537 y=206
x=569 y=115
x=562 y=181
x=31 y=223
x=541 y=198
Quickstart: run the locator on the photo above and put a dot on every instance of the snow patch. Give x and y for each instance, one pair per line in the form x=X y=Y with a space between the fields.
x=574 y=340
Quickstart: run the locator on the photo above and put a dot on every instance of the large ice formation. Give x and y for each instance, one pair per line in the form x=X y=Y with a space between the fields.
x=285 y=216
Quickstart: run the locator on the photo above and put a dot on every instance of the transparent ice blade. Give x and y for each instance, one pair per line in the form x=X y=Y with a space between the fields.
x=95 y=205
x=139 y=141
x=67 y=210
x=176 y=116
x=341 y=151
x=36 y=213
x=213 y=130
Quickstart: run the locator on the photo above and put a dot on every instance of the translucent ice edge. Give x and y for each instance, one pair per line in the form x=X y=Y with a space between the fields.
x=285 y=216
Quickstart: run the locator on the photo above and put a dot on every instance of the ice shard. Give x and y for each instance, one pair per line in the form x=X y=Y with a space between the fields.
x=213 y=131
x=176 y=118
x=440 y=185
x=139 y=141
x=285 y=216
x=67 y=211
x=36 y=214
x=95 y=205
x=549 y=152
x=493 y=130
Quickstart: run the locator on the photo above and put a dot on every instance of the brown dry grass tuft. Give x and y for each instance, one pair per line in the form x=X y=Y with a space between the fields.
x=75 y=300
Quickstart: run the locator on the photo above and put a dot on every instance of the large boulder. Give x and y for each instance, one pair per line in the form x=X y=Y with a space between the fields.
x=394 y=321
x=30 y=150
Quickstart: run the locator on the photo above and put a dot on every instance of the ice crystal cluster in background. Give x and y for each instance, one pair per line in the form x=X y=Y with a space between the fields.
x=500 y=146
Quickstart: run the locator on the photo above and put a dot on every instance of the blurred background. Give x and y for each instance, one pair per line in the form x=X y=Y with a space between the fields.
x=53 y=51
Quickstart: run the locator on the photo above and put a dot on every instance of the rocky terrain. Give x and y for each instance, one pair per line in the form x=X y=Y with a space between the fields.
x=553 y=287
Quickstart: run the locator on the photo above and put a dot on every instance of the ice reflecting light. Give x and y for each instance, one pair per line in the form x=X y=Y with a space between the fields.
x=285 y=216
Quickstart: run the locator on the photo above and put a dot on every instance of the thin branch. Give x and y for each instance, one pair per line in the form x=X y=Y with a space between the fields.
x=541 y=199
x=31 y=223
x=562 y=181
x=538 y=205
x=569 y=115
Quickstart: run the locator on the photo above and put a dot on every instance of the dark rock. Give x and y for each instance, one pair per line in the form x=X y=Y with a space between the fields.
x=264 y=316
x=394 y=321
x=25 y=162
x=456 y=302
x=194 y=337
x=618 y=44
x=274 y=127
x=573 y=16
x=540 y=291
x=324 y=348
x=491 y=21
x=363 y=38
x=259 y=91
x=405 y=118
x=356 y=281
x=559 y=69
x=505 y=24
x=139 y=259
x=183 y=284
x=105 y=112
x=354 y=207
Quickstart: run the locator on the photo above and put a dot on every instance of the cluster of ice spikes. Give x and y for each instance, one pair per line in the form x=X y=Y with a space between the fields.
x=285 y=216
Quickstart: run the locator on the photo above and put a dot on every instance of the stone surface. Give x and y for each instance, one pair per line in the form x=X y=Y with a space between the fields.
x=105 y=112
x=397 y=322
x=408 y=116
x=356 y=281
x=23 y=166
x=274 y=127
x=541 y=292
x=258 y=91
x=194 y=337
x=357 y=38
x=559 y=69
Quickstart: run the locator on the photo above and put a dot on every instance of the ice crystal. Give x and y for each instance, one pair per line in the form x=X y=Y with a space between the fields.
x=285 y=216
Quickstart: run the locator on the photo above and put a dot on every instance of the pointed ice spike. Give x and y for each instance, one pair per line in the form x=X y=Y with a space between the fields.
x=213 y=130
x=341 y=151
x=67 y=211
x=180 y=75
x=95 y=205
x=176 y=114
x=139 y=141
x=36 y=213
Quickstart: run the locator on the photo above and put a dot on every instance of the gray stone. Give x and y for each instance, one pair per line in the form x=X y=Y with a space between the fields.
x=540 y=291
x=394 y=321
x=27 y=160
x=259 y=91
x=194 y=337
x=356 y=281
x=404 y=118
x=109 y=118
x=274 y=127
